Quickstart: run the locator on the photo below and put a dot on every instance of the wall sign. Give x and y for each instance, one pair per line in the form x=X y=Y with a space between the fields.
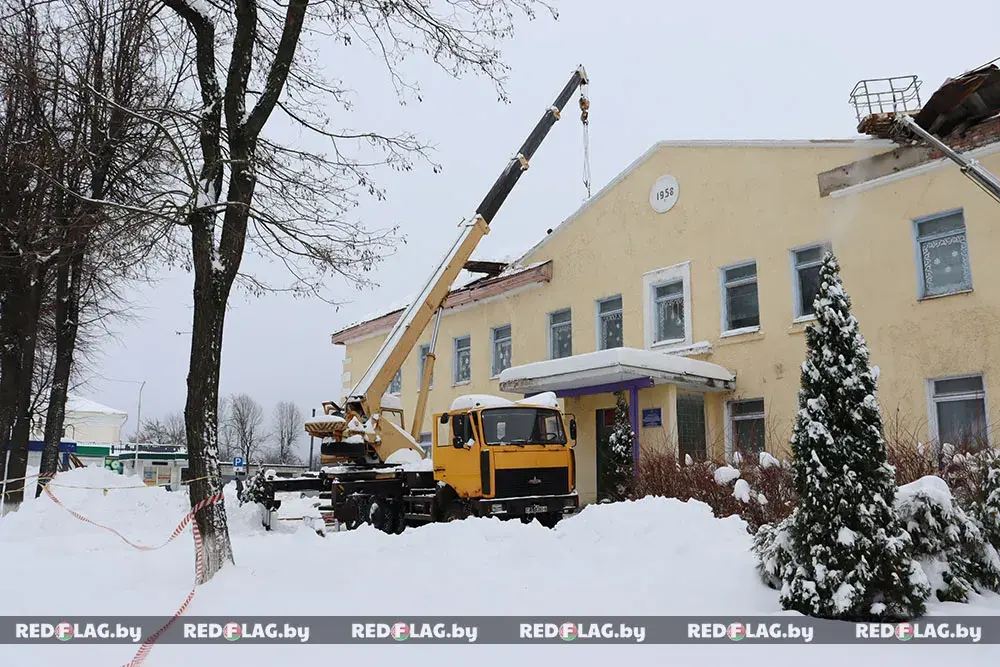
x=663 y=196
x=651 y=417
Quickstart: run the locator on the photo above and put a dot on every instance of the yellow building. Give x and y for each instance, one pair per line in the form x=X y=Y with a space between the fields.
x=688 y=279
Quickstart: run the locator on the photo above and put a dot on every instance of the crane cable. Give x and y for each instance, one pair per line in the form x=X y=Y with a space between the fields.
x=585 y=117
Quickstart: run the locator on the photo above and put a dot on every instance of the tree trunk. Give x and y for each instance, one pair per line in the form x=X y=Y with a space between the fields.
x=9 y=363
x=200 y=413
x=21 y=431
x=67 y=322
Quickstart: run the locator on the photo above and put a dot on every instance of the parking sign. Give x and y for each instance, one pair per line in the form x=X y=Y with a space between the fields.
x=237 y=463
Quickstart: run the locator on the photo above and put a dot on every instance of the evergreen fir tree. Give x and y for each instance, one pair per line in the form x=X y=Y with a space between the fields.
x=620 y=444
x=989 y=511
x=848 y=555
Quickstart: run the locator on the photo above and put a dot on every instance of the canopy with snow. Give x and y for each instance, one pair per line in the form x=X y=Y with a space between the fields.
x=586 y=373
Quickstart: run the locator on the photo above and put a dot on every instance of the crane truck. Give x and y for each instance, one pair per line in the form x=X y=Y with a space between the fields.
x=491 y=456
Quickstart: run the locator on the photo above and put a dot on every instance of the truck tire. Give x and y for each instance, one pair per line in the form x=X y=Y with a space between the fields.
x=549 y=520
x=456 y=510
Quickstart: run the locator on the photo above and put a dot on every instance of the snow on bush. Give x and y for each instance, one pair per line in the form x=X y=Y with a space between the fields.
x=946 y=542
x=725 y=474
x=842 y=553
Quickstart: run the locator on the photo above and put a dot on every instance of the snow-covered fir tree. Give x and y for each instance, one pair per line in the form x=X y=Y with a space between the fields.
x=989 y=511
x=620 y=444
x=842 y=553
x=947 y=542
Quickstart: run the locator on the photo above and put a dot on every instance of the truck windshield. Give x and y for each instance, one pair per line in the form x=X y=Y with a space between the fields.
x=522 y=426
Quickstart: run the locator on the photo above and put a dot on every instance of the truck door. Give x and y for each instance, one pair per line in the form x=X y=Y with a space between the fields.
x=456 y=460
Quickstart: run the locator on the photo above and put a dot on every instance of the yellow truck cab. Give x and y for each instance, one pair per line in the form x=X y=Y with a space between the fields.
x=506 y=459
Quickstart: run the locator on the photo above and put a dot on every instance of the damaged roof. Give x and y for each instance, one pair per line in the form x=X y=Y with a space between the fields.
x=962 y=102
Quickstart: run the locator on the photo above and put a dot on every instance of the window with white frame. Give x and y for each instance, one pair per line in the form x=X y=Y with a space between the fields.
x=667 y=306
x=560 y=334
x=609 y=323
x=960 y=411
x=943 y=254
x=501 y=349
x=747 y=425
x=424 y=351
x=463 y=359
x=807 y=262
x=668 y=312
x=740 y=308
x=396 y=386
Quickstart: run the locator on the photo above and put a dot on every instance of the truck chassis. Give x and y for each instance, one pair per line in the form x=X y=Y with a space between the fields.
x=391 y=498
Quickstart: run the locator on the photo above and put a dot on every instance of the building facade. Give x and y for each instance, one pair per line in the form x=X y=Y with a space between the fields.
x=688 y=282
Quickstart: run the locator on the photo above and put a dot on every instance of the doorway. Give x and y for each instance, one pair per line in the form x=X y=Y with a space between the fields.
x=605 y=422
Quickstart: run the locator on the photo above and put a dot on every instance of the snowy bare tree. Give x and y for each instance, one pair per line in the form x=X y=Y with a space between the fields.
x=167 y=431
x=67 y=70
x=244 y=419
x=286 y=429
x=248 y=192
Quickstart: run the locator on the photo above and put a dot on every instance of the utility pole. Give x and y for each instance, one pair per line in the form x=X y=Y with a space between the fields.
x=311 y=439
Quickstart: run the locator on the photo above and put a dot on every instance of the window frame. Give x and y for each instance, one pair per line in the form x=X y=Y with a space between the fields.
x=918 y=256
x=598 y=320
x=551 y=330
x=494 y=373
x=399 y=376
x=731 y=418
x=933 y=400
x=658 y=278
x=724 y=286
x=826 y=246
x=421 y=359
x=455 y=381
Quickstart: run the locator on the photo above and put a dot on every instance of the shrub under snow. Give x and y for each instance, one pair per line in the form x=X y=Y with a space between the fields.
x=947 y=543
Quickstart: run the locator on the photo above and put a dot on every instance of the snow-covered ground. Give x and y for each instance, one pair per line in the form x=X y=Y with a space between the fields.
x=652 y=557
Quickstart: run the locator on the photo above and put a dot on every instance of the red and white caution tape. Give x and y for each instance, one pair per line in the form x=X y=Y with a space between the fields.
x=147 y=645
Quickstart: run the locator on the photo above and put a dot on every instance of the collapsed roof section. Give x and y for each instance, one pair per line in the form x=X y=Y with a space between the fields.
x=964 y=113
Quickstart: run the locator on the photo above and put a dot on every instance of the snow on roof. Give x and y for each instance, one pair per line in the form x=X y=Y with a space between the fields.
x=607 y=366
x=81 y=404
x=545 y=399
x=469 y=401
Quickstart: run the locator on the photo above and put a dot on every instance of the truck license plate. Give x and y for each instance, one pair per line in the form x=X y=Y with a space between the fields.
x=536 y=509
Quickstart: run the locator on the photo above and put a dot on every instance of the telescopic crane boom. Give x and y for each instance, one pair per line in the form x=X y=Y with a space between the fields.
x=365 y=398
x=976 y=172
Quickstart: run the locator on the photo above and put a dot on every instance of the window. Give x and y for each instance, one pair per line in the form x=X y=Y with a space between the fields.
x=943 y=255
x=463 y=359
x=740 y=309
x=960 y=411
x=668 y=307
x=560 y=334
x=747 y=423
x=501 y=350
x=609 y=323
x=807 y=262
x=691 y=426
x=424 y=351
x=396 y=386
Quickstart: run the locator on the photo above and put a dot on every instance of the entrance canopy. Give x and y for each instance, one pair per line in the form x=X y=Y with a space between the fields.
x=614 y=369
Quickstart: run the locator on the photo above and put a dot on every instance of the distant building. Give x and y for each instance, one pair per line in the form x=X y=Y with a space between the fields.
x=90 y=430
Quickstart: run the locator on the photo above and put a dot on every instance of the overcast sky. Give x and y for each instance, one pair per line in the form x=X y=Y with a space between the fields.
x=659 y=70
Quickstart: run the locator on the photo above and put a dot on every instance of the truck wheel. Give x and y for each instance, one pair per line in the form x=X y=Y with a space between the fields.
x=549 y=520
x=456 y=510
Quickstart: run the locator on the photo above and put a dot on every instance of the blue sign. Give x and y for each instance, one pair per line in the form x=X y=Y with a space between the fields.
x=651 y=417
x=237 y=462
